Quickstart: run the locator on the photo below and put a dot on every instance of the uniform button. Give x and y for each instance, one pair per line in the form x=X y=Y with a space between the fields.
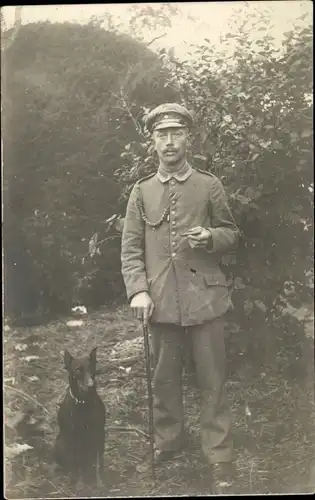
x=173 y=223
x=173 y=201
x=173 y=233
x=173 y=212
x=173 y=254
x=173 y=243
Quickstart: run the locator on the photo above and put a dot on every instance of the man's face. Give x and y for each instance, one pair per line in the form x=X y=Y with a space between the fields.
x=171 y=145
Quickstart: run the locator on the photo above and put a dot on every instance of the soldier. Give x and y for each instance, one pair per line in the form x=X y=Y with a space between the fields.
x=177 y=226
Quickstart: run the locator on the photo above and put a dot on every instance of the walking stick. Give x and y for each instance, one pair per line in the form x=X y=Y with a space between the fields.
x=150 y=396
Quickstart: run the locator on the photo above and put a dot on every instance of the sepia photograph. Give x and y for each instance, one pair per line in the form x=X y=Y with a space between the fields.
x=158 y=249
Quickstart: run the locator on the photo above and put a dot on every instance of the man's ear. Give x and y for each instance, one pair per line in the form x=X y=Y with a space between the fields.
x=153 y=143
x=189 y=137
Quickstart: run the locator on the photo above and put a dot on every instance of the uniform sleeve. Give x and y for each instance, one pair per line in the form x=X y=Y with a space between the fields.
x=224 y=232
x=132 y=247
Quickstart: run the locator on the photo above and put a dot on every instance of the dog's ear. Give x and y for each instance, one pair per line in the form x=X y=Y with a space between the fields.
x=92 y=357
x=67 y=359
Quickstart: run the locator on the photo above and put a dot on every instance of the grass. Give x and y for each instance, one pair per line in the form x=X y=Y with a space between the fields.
x=272 y=407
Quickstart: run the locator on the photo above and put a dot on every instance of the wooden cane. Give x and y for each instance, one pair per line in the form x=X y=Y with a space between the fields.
x=150 y=396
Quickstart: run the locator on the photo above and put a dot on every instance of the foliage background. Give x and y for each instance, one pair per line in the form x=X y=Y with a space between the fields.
x=74 y=99
x=66 y=121
x=73 y=144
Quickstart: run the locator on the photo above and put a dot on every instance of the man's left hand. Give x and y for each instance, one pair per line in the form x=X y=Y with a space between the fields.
x=198 y=237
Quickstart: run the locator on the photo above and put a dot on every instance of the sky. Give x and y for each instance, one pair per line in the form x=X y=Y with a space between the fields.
x=211 y=18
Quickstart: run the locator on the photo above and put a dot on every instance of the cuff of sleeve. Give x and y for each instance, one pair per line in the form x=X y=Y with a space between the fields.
x=222 y=240
x=215 y=239
x=210 y=241
x=135 y=292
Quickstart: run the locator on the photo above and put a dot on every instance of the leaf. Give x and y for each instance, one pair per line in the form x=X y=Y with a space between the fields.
x=264 y=144
x=10 y=380
x=250 y=192
x=114 y=216
x=309 y=329
x=228 y=118
x=13 y=421
x=260 y=305
x=242 y=199
x=306 y=133
x=302 y=313
x=20 y=347
x=16 y=449
x=294 y=136
x=30 y=358
x=253 y=147
x=119 y=224
x=200 y=157
x=248 y=307
x=92 y=245
x=234 y=328
x=79 y=310
x=242 y=94
x=277 y=145
x=74 y=323
x=228 y=259
x=248 y=413
x=238 y=283
x=255 y=156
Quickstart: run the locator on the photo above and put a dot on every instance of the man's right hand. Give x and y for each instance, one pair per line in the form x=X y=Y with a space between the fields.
x=142 y=306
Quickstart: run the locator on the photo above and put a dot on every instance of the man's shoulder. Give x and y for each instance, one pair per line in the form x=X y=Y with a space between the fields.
x=146 y=178
x=140 y=182
x=147 y=182
x=206 y=173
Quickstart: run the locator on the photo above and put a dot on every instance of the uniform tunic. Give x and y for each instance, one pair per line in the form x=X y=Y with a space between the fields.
x=186 y=284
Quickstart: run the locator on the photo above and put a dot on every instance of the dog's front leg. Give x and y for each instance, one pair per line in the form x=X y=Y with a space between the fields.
x=73 y=461
x=101 y=477
x=89 y=470
x=74 y=472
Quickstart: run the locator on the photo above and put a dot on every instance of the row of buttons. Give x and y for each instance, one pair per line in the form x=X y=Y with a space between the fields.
x=172 y=183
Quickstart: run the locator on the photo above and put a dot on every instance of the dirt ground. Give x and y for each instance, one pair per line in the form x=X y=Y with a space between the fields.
x=272 y=404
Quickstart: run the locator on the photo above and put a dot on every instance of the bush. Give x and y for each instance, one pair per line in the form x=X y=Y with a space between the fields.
x=71 y=93
x=254 y=131
x=74 y=145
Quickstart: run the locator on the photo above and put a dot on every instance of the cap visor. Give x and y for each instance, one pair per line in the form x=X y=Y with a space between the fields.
x=169 y=125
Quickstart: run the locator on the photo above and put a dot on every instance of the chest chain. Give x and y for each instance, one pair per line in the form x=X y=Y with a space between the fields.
x=164 y=217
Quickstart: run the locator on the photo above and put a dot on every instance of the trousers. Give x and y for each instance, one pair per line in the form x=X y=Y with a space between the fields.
x=209 y=356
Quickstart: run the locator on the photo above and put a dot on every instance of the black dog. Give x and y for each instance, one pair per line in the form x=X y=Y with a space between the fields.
x=79 y=447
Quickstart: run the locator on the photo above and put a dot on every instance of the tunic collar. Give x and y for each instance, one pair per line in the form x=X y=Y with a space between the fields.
x=181 y=175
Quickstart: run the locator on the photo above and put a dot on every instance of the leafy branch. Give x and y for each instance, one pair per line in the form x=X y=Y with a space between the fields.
x=155 y=39
x=125 y=107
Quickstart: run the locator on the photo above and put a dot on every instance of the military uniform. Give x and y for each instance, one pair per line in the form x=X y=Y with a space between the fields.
x=189 y=292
